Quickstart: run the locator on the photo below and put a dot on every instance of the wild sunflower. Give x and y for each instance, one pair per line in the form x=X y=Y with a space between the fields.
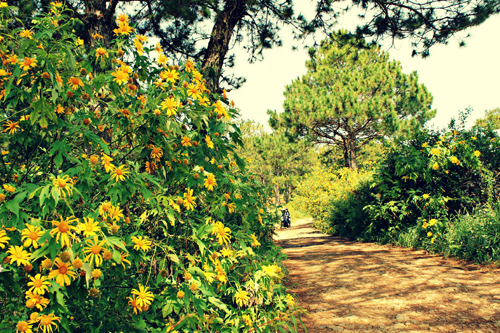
x=4 y=240
x=144 y=297
x=63 y=274
x=271 y=270
x=227 y=252
x=31 y=235
x=101 y=53
x=59 y=109
x=46 y=322
x=121 y=77
x=39 y=284
x=170 y=75
x=186 y=142
x=9 y=188
x=28 y=63
x=162 y=59
x=35 y=300
x=19 y=255
x=90 y=227
x=94 y=251
x=64 y=185
x=63 y=230
x=242 y=297
x=221 y=274
x=123 y=259
x=171 y=105
x=222 y=233
x=11 y=127
x=115 y=213
x=105 y=208
x=219 y=108
x=133 y=301
x=189 y=200
x=210 y=182
x=75 y=82
x=120 y=174
x=255 y=241
x=231 y=207
x=209 y=142
x=156 y=152
x=141 y=243
x=194 y=91
x=106 y=162
x=24 y=327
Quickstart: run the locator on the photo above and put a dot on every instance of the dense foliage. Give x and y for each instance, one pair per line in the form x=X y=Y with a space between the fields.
x=207 y=30
x=491 y=119
x=351 y=95
x=318 y=188
x=275 y=161
x=123 y=205
x=436 y=191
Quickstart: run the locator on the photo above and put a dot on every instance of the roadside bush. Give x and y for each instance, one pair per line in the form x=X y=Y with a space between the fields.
x=420 y=195
x=123 y=205
x=431 y=178
x=317 y=190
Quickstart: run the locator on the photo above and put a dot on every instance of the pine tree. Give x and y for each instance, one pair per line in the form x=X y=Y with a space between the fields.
x=351 y=95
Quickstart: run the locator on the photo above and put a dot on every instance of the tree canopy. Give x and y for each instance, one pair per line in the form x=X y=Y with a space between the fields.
x=492 y=119
x=274 y=160
x=205 y=31
x=351 y=95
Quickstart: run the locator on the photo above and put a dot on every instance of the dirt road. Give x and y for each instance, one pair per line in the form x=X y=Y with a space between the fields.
x=350 y=286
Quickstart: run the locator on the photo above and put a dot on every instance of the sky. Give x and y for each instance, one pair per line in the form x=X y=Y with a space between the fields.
x=457 y=77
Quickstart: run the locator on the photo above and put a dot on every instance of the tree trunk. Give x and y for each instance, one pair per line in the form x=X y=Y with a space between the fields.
x=226 y=21
x=346 y=155
x=98 y=19
x=277 y=194
x=353 y=163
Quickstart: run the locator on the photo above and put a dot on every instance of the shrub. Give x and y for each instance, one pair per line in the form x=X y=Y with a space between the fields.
x=121 y=207
x=318 y=189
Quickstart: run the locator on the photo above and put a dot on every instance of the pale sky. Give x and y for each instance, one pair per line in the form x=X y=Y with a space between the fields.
x=457 y=77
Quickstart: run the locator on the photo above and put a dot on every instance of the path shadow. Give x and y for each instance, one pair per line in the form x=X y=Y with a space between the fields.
x=350 y=286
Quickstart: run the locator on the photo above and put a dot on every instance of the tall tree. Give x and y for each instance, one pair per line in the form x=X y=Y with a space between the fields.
x=206 y=30
x=351 y=95
x=274 y=160
x=491 y=119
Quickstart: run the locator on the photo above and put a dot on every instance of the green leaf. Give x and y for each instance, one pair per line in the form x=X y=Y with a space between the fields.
x=117 y=257
x=55 y=194
x=41 y=251
x=13 y=206
x=173 y=257
x=168 y=308
x=44 y=194
x=218 y=303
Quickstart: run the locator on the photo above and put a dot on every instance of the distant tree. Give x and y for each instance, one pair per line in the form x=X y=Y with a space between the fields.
x=351 y=95
x=491 y=119
x=274 y=160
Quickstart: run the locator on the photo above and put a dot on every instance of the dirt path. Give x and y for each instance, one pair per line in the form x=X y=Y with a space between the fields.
x=363 y=287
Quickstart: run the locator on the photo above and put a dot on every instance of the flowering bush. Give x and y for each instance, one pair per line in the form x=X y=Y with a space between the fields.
x=318 y=189
x=427 y=180
x=120 y=192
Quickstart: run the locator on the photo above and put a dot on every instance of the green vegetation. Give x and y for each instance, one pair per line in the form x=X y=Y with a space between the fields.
x=437 y=191
x=275 y=161
x=124 y=206
x=206 y=30
x=351 y=95
x=490 y=120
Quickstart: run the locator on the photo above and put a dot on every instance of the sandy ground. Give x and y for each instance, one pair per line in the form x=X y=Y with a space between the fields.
x=349 y=286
